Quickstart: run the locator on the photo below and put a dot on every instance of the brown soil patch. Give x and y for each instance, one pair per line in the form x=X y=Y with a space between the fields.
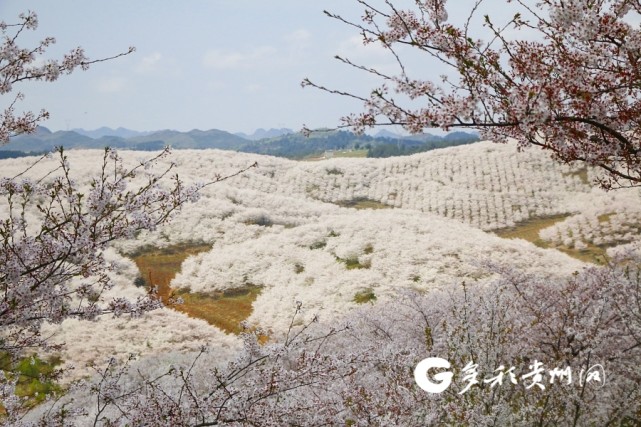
x=222 y=309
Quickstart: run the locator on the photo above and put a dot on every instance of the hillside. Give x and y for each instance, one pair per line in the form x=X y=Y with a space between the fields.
x=280 y=143
x=282 y=227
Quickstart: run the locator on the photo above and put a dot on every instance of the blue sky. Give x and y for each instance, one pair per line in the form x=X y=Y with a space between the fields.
x=228 y=64
x=234 y=65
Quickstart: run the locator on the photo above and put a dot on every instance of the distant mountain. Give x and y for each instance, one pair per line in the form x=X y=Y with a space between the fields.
x=458 y=135
x=106 y=131
x=297 y=145
x=419 y=143
x=196 y=139
x=265 y=134
x=286 y=144
x=44 y=140
x=387 y=134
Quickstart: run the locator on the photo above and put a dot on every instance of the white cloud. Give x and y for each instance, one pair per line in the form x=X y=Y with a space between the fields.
x=221 y=59
x=298 y=45
x=299 y=37
x=354 y=49
x=112 y=85
x=149 y=63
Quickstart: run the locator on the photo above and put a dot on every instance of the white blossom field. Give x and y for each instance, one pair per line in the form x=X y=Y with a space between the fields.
x=279 y=226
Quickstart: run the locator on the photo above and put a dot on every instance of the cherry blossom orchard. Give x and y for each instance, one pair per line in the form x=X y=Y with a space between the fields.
x=440 y=284
x=519 y=274
x=561 y=75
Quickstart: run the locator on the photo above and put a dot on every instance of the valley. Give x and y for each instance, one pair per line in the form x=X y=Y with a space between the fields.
x=337 y=235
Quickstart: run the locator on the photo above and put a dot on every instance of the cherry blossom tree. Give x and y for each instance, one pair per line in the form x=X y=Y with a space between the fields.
x=561 y=75
x=54 y=228
x=19 y=65
x=523 y=351
x=52 y=232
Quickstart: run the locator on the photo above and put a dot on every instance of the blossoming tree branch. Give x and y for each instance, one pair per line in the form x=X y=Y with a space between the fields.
x=562 y=75
x=56 y=229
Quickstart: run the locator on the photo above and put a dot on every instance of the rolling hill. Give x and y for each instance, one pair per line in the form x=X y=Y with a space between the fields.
x=287 y=229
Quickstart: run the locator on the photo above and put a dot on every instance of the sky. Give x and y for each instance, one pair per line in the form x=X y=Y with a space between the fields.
x=234 y=65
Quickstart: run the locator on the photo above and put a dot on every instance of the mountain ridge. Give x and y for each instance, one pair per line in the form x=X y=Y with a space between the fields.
x=283 y=143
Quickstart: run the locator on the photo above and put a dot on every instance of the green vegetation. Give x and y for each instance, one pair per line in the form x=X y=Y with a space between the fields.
x=299 y=146
x=292 y=145
x=222 y=309
x=335 y=171
x=353 y=263
x=261 y=220
x=592 y=253
x=365 y=296
x=529 y=230
x=406 y=147
x=351 y=153
x=8 y=154
x=36 y=377
x=605 y=217
x=362 y=203
x=318 y=245
x=582 y=174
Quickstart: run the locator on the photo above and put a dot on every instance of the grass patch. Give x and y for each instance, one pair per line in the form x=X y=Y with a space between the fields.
x=593 y=254
x=262 y=220
x=351 y=153
x=222 y=309
x=334 y=171
x=365 y=296
x=605 y=217
x=158 y=266
x=529 y=230
x=362 y=203
x=334 y=154
x=353 y=263
x=318 y=245
x=186 y=249
x=36 y=377
x=581 y=173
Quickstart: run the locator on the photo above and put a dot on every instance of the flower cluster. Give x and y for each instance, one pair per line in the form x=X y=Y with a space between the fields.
x=358 y=371
x=570 y=84
x=53 y=235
